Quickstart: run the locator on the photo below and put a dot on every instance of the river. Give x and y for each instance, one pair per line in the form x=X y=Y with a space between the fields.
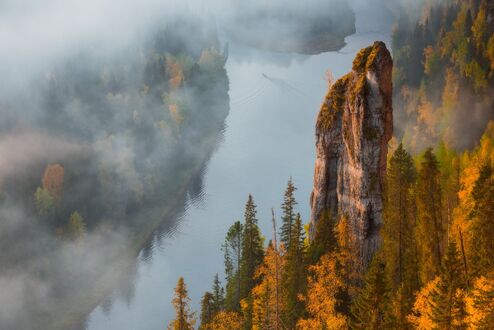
x=269 y=137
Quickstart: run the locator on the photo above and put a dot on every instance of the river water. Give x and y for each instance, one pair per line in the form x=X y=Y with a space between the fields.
x=269 y=137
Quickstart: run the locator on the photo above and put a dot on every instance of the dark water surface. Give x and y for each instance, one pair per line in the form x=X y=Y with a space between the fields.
x=269 y=137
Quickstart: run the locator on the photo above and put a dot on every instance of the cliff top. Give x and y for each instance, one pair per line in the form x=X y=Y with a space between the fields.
x=373 y=58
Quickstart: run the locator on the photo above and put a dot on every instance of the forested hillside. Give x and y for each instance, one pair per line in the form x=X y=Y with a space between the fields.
x=444 y=73
x=102 y=147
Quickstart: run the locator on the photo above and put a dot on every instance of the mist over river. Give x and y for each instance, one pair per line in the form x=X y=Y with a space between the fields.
x=268 y=138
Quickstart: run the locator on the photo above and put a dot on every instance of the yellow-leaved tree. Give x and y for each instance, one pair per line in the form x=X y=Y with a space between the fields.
x=225 y=320
x=323 y=286
x=267 y=295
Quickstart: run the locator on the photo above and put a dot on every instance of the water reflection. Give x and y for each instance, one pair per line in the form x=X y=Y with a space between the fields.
x=268 y=137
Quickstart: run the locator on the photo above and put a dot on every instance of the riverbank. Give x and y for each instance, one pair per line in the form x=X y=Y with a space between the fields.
x=143 y=228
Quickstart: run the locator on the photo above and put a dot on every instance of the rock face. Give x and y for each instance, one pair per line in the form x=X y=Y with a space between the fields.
x=353 y=128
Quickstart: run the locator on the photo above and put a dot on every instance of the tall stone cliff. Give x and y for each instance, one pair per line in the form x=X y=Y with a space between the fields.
x=353 y=128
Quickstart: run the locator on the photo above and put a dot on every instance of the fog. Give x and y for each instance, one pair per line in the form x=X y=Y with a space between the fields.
x=130 y=98
x=121 y=97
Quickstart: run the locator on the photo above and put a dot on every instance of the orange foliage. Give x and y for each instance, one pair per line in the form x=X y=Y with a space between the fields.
x=224 y=320
x=265 y=300
x=421 y=318
x=471 y=164
x=175 y=72
x=53 y=180
x=175 y=113
x=323 y=286
x=480 y=305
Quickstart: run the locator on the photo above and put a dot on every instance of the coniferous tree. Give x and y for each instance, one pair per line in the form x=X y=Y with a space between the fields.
x=267 y=302
x=482 y=302
x=288 y=217
x=251 y=257
x=324 y=238
x=207 y=310
x=430 y=227
x=324 y=287
x=482 y=222
x=448 y=299
x=294 y=275
x=232 y=249
x=372 y=308
x=218 y=295
x=399 y=238
x=76 y=227
x=184 y=318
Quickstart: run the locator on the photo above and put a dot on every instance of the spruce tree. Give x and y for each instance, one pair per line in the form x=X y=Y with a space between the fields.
x=184 y=318
x=482 y=223
x=288 y=217
x=218 y=295
x=448 y=304
x=431 y=229
x=324 y=238
x=251 y=257
x=207 y=310
x=372 y=308
x=294 y=275
x=232 y=249
x=399 y=232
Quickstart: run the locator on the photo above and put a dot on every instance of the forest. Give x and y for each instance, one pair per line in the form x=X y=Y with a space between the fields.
x=102 y=136
x=435 y=268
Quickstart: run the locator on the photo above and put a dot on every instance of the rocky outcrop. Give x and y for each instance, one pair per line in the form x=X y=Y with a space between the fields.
x=353 y=128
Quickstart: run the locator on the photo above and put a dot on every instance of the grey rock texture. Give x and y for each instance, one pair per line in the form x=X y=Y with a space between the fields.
x=353 y=129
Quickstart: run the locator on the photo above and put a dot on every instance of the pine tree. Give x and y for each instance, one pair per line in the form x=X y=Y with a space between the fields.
x=448 y=300
x=347 y=265
x=218 y=295
x=207 y=310
x=184 y=318
x=482 y=224
x=294 y=275
x=372 y=308
x=482 y=303
x=398 y=232
x=288 y=218
x=77 y=227
x=212 y=303
x=232 y=249
x=251 y=257
x=431 y=231
x=324 y=238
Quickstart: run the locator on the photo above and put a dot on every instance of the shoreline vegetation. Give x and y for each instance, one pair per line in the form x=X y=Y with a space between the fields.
x=308 y=27
x=138 y=129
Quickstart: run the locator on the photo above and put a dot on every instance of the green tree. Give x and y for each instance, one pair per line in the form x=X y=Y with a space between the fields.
x=288 y=217
x=294 y=275
x=430 y=227
x=77 y=227
x=400 y=247
x=218 y=295
x=207 y=308
x=44 y=202
x=232 y=249
x=184 y=318
x=448 y=303
x=372 y=308
x=212 y=303
x=482 y=222
x=252 y=255
x=324 y=238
